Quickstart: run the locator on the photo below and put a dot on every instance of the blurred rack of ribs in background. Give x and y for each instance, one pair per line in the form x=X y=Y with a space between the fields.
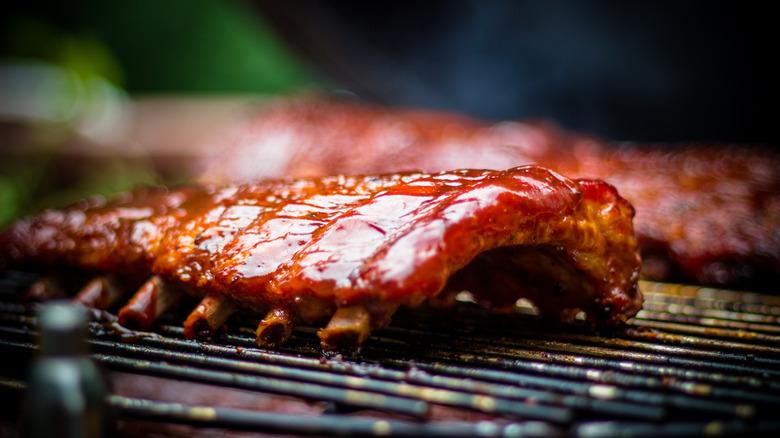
x=706 y=213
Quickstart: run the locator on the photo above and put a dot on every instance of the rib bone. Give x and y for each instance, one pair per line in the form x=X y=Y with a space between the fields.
x=211 y=314
x=348 y=328
x=46 y=288
x=275 y=328
x=151 y=300
x=101 y=293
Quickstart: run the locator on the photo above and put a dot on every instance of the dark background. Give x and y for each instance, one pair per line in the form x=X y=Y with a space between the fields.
x=648 y=70
x=636 y=70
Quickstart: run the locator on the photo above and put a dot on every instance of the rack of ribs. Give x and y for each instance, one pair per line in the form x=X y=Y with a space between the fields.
x=351 y=248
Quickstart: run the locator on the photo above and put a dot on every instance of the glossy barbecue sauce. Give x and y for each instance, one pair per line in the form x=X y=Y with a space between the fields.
x=308 y=247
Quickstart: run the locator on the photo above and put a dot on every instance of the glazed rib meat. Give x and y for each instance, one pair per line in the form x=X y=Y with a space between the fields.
x=708 y=214
x=355 y=248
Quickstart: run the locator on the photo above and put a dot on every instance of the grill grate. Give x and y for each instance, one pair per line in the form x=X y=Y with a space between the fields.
x=695 y=361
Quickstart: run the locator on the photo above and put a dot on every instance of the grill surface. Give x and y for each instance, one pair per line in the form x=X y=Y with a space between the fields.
x=695 y=361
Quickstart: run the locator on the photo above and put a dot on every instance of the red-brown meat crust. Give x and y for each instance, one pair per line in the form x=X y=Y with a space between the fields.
x=709 y=214
x=343 y=241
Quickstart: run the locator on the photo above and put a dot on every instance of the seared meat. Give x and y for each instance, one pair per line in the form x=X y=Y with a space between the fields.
x=352 y=247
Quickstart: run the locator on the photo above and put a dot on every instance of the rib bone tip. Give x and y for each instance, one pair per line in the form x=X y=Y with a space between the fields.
x=152 y=299
x=347 y=329
x=44 y=289
x=210 y=314
x=275 y=328
x=100 y=293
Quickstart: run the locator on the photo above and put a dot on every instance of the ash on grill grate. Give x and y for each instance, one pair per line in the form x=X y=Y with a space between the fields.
x=695 y=361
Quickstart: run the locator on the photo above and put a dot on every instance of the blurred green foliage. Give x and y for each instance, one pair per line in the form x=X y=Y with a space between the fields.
x=142 y=47
x=148 y=46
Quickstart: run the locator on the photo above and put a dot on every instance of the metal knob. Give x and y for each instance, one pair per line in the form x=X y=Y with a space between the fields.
x=66 y=393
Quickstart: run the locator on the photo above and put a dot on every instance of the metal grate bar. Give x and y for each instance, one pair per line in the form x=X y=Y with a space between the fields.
x=753 y=321
x=601 y=383
x=330 y=424
x=509 y=326
x=444 y=385
x=687 y=428
x=680 y=402
x=504 y=352
x=721 y=305
x=748 y=351
x=695 y=361
x=354 y=386
x=594 y=375
x=651 y=289
x=311 y=391
x=350 y=390
x=690 y=328
x=626 y=409
x=705 y=321
x=652 y=382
